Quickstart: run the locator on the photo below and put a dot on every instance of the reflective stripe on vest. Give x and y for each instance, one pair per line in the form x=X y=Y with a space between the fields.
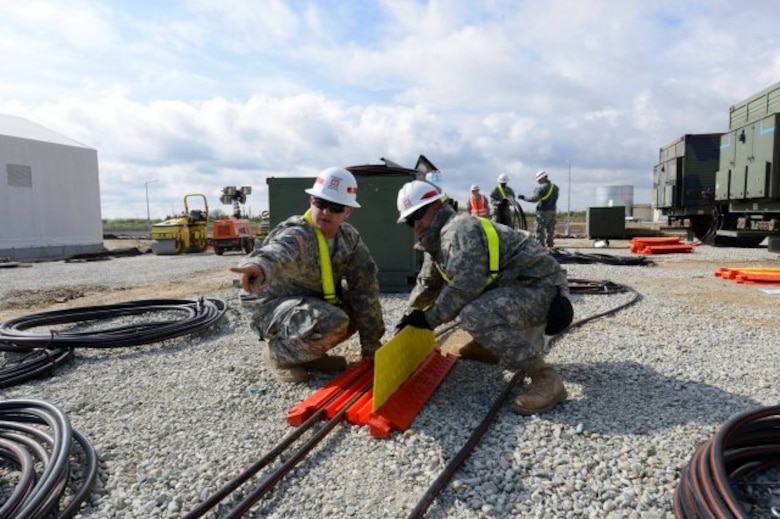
x=501 y=190
x=493 y=252
x=549 y=192
x=326 y=271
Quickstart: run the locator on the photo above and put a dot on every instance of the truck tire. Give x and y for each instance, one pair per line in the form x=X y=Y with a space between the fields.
x=218 y=250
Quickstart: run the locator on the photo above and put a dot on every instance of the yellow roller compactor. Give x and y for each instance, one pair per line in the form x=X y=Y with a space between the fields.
x=185 y=233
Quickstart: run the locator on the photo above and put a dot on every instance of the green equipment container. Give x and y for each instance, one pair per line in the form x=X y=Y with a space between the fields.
x=391 y=244
x=606 y=222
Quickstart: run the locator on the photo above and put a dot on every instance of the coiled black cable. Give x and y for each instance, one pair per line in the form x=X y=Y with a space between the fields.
x=48 y=350
x=747 y=444
x=42 y=456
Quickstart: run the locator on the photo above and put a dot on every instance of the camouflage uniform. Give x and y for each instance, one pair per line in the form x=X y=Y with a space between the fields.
x=290 y=312
x=545 y=213
x=508 y=316
x=502 y=213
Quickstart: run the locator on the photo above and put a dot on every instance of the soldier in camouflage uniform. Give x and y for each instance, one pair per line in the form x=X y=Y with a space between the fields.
x=546 y=194
x=296 y=311
x=507 y=316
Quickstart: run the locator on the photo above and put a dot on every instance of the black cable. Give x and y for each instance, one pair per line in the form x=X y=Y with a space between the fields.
x=195 y=315
x=747 y=444
x=46 y=351
x=565 y=256
x=42 y=457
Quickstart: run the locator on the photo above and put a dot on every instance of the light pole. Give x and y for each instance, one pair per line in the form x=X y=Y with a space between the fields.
x=148 y=216
x=568 y=201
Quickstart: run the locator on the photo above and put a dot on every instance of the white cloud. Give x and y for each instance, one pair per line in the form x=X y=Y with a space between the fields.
x=199 y=94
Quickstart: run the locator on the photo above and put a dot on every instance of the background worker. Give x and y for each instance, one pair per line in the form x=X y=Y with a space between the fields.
x=478 y=204
x=508 y=313
x=546 y=196
x=301 y=308
x=502 y=198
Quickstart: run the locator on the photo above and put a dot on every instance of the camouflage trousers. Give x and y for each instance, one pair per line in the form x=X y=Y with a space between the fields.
x=510 y=321
x=545 y=228
x=299 y=329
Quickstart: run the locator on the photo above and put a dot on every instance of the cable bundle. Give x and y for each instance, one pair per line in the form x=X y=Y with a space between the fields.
x=45 y=351
x=42 y=457
x=746 y=445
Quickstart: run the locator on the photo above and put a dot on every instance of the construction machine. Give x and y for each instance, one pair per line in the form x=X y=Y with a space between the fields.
x=187 y=232
x=233 y=232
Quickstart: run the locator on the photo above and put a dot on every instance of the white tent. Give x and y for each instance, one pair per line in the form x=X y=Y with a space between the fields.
x=49 y=193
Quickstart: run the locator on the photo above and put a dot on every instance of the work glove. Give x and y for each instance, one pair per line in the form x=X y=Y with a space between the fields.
x=521 y=197
x=414 y=318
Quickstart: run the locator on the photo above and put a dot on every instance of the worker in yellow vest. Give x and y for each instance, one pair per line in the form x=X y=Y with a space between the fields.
x=546 y=198
x=301 y=308
x=478 y=204
x=505 y=290
x=503 y=200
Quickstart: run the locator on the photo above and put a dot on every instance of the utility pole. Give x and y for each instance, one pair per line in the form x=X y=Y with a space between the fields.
x=148 y=215
x=568 y=202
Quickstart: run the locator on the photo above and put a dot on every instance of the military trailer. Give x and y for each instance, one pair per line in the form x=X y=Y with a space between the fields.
x=726 y=186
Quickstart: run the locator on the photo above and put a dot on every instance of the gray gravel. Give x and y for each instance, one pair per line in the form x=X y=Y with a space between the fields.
x=172 y=422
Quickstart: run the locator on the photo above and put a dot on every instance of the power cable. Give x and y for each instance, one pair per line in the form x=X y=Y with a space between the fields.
x=42 y=457
x=747 y=444
x=45 y=351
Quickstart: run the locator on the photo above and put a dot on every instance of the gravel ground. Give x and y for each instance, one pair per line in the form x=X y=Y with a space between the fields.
x=172 y=422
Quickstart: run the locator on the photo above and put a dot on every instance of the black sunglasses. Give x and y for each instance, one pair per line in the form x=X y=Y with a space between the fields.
x=333 y=207
x=417 y=215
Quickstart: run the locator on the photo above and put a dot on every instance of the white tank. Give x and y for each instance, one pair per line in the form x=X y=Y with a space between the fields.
x=613 y=196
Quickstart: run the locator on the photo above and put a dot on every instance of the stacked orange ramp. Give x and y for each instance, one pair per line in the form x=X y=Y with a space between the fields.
x=401 y=386
x=750 y=276
x=664 y=245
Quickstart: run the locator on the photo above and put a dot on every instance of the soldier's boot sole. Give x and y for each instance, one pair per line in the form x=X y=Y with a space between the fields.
x=327 y=364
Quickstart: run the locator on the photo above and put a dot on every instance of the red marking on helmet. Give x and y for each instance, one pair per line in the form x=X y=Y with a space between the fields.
x=319 y=180
x=352 y=190
x=334 y=182
x=429 y=194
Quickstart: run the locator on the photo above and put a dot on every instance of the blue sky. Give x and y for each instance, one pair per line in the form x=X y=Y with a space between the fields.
x=200 y=94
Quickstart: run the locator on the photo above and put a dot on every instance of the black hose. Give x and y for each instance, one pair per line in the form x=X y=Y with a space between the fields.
x=196 y=315
x=42 y=456
x=747 y=444
x=46 y=351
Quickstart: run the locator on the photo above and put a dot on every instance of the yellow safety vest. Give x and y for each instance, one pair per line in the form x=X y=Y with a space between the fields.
x=326 y=271
x=501 y=190
x=549 y=192
x=493 y=252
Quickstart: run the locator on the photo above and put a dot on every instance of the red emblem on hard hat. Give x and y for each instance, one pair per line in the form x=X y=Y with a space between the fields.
x=334 y=182
x=352 y=190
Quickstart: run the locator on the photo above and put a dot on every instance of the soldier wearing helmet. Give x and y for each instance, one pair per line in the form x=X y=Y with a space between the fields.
x=546 y=198
x=477 y=204
x=502 y=198
x=506 y=291
x=301 y=308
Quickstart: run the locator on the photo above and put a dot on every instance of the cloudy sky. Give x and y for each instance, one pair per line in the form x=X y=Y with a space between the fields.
x=199 y=94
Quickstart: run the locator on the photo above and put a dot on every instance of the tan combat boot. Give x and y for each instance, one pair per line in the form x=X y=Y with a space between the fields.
x=285 y=373
x=545 y=391
x=473 y=350
x=327 y=364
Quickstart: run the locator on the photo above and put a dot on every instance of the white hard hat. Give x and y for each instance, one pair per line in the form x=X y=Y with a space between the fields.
x=503 y=179
x=414 y=195
x=335 y=185
x=474 y=187
x=541 y=174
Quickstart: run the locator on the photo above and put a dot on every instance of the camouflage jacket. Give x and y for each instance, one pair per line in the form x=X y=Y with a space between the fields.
x=457 y=242
x=290 y=259
x=542 y=190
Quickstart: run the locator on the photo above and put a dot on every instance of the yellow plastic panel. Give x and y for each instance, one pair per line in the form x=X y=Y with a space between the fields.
x=398 y=359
